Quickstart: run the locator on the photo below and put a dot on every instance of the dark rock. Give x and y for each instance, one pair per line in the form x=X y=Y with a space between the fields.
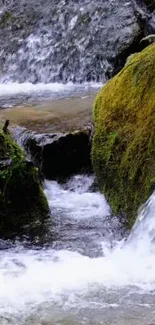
x=58 y=155
x=51 y=41
x=144 y=12
x=5 y=162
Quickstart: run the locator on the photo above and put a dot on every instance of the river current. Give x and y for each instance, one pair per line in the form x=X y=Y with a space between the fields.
x=85 y=269
x=81 y=267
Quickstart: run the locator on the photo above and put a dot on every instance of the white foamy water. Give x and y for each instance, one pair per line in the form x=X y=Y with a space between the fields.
x=76 y=200
x=53 y=286
x=12 y=93
x=27 y=88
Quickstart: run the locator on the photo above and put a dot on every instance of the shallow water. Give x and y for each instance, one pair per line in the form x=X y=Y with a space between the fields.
x=50 y=115
x=12 y=93
x=48 y=107
x=87 y=273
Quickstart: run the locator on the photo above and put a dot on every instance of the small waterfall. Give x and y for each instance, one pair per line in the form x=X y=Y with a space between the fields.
x=82 y=268
x=65 y=40
x=142 y=237
x=66 y=279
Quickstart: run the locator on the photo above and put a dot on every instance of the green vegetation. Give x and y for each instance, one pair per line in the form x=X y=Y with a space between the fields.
x=84 y=18
x=22 y=200
x=7 y=16
x=123 y=151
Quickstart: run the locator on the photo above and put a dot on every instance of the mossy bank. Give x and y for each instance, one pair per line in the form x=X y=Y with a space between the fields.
x=22 y=200
x=123 y=151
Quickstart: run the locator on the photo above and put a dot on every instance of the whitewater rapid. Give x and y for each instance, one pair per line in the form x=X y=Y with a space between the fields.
x=88 y=266
x=15 y=88
x=11 y=92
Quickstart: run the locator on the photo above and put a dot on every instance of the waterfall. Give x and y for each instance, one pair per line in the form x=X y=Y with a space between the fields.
x=65 y=40
x=88 y=266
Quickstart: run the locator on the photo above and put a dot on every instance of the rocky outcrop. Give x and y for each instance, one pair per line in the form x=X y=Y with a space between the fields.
x=22 y=201
x=144 y=11
x=58 y=155
x=51 y=41
x=123 y=150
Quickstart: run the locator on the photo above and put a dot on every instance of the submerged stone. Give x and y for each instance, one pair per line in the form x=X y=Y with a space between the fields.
x=123 y=151
x=22 y=200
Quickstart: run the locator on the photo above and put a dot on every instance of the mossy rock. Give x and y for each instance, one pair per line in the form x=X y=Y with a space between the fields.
x=123 y=151
x=22 y=200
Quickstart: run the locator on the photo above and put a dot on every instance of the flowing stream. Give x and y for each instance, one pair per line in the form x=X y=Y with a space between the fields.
x=86 y=270
x=81 y=267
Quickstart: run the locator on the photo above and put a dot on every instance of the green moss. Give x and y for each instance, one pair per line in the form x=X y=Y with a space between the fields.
x=84 y=19
x=7 y=16
x=123 y=152
x=9 y=20
x=22 y=200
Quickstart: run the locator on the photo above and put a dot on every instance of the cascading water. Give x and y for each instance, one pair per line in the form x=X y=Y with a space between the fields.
x=47 y=44
x=81 y=268
x=87 y=274
x=51 y=41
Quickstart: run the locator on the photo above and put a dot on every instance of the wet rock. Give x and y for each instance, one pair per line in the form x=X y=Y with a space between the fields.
x=22 y=201
x=5 y=162
x=58 y=155
x=144 y=11
x=51 y=41
x=123 y=145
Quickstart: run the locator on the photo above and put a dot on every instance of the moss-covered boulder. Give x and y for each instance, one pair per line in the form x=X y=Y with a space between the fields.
x=22 y=200
x=123 y=152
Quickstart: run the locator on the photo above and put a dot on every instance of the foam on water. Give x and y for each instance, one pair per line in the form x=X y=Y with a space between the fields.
x=75 y=200
x=29 y=278
x=27 y=88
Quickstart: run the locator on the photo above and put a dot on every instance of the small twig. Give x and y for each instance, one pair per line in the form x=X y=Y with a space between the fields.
x=5 y=127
